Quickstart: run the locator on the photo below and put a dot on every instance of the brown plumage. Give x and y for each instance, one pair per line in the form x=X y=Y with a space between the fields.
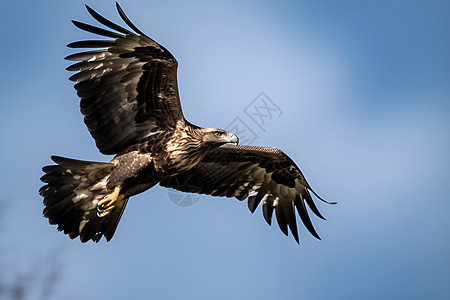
x=131 y=107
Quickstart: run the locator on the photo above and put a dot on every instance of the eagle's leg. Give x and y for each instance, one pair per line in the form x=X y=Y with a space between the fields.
x=105 y=205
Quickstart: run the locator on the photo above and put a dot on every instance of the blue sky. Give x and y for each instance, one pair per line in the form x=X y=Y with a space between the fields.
x=364 y=90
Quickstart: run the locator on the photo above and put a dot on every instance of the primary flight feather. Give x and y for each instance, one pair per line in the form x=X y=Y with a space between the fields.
x=131 y=107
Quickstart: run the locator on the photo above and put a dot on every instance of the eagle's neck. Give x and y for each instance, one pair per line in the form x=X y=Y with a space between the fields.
x=186 y=148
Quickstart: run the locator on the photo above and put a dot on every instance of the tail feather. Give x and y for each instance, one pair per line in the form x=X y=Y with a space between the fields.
x=112 y=222
x=70 y=198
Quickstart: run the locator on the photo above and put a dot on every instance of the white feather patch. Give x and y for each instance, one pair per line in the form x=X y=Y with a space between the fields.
x=276 y=201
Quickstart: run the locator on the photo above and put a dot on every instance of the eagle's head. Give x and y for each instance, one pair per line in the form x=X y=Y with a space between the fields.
x=216 y=137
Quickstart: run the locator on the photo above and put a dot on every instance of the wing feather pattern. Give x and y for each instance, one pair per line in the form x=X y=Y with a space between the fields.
x=127 y=85
x=262 y=174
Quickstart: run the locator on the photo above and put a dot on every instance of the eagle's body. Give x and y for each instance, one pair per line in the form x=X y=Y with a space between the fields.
x=158 y=157
x=130 y=102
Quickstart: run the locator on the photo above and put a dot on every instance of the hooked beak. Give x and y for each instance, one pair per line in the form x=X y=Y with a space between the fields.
x=234 y=139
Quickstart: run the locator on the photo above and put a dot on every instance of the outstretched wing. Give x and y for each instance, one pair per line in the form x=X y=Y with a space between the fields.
x=261 y=174
x=128 y=86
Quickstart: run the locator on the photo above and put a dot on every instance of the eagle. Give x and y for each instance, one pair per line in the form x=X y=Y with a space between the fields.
x=130 y=101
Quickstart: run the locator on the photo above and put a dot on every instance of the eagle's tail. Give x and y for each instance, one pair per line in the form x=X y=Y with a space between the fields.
x=71 y=194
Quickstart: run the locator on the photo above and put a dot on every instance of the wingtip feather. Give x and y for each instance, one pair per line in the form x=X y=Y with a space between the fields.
x=106 y=22
x=320 y=198
x=303 y=213
x=127 y=20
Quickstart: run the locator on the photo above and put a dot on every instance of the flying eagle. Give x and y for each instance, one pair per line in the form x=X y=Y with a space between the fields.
x=131 y=106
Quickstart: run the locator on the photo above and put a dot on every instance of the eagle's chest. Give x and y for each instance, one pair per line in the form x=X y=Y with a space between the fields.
x=182 y=154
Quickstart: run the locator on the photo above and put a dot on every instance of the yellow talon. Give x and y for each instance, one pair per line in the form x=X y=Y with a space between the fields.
x=105 y=205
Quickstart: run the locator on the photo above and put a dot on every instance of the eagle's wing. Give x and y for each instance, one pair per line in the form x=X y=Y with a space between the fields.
x=261 y=174
x=128 y=86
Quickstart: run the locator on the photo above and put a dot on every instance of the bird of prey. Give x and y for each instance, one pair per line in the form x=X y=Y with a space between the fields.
x=131 y=106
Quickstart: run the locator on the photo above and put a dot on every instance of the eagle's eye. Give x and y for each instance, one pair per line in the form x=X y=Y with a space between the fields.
x=219 y=133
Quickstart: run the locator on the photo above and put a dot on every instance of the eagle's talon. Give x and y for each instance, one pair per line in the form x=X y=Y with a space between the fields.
x=105 y=205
